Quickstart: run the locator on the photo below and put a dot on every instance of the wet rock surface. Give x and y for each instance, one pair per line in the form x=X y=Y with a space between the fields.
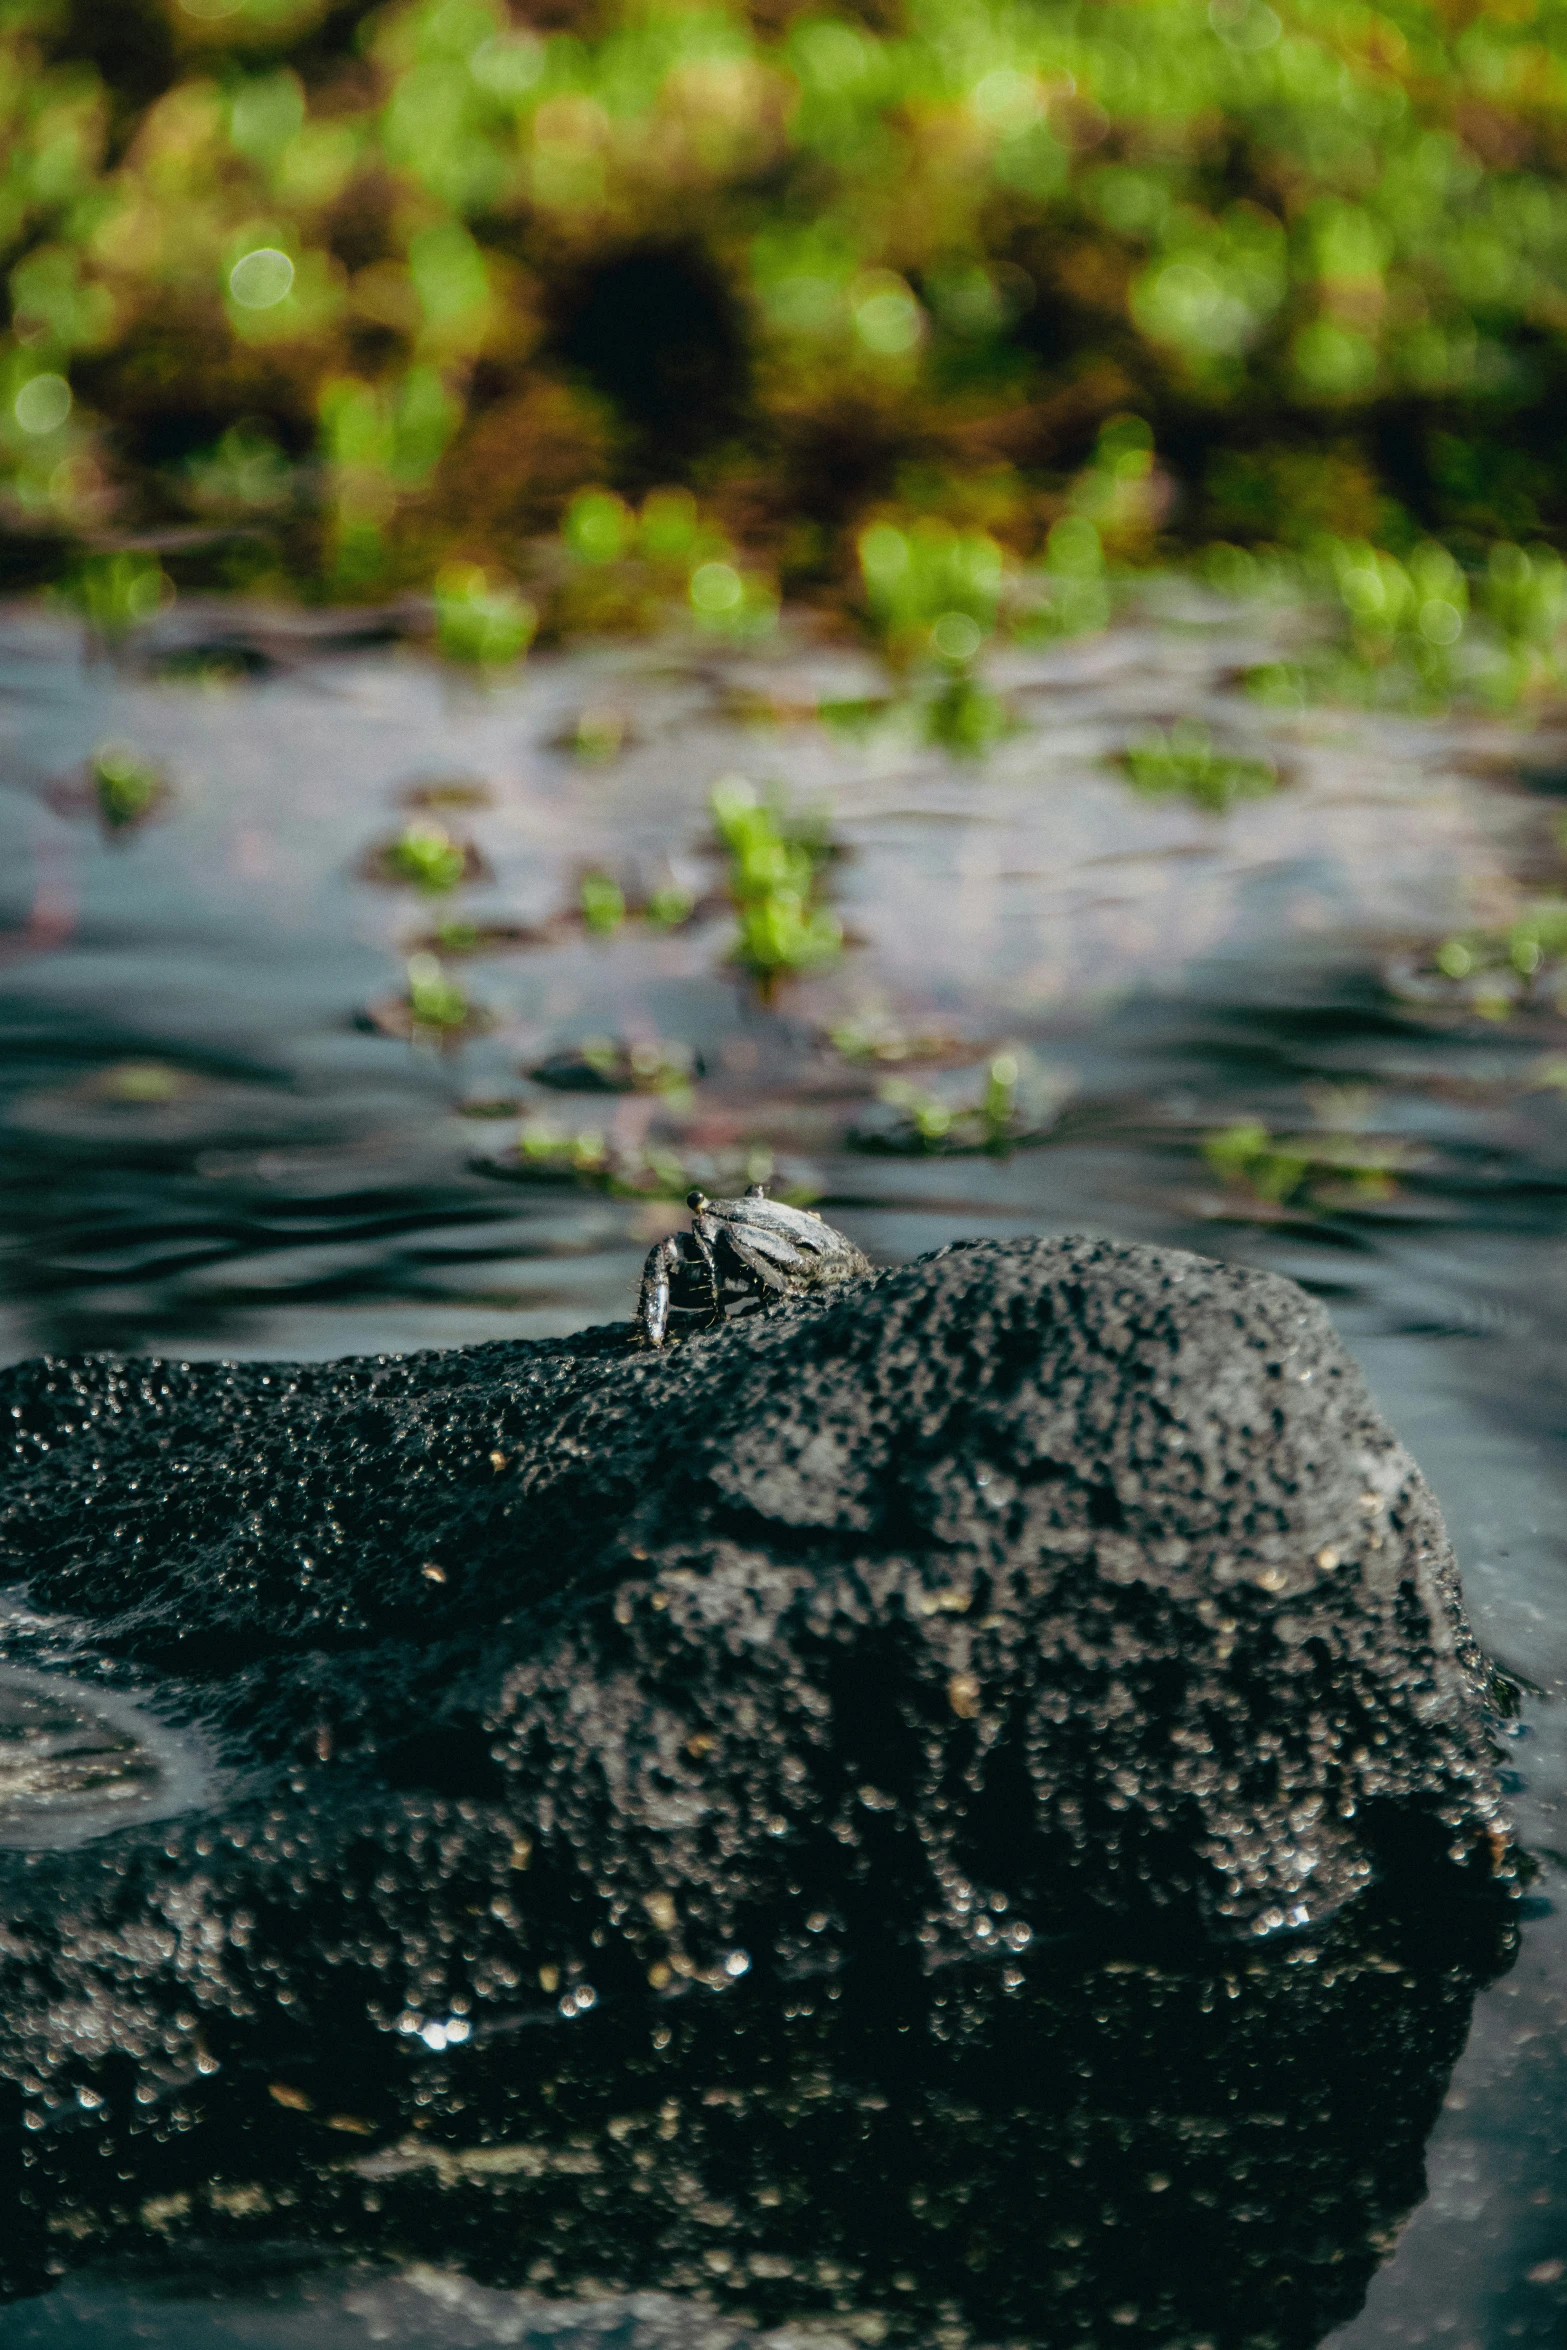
x=965 y=1803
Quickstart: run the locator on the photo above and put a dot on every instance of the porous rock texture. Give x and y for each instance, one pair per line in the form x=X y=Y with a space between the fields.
x=1028 y=1598
x=1098 y=1552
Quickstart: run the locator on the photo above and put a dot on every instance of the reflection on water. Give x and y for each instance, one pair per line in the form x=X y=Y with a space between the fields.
x=205 y=1150
x=1185 y=2149
x=78 y=1762
x=56 y=1758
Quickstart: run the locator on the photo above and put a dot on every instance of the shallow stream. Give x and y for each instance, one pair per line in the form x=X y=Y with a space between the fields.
x=210 y=1148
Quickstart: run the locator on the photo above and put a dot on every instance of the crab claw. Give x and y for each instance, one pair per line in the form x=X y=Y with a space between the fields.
x=756 y=1191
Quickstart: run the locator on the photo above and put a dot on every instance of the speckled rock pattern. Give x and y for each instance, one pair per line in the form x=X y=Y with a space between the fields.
x=615 y=1735
x=1097 y=1553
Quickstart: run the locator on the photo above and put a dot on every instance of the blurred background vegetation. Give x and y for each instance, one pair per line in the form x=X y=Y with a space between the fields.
x=933 y=311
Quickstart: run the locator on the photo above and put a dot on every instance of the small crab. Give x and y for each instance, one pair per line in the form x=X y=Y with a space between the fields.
x=736 y=1249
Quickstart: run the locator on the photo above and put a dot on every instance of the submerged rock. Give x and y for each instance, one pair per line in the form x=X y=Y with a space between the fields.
x=929 y=1701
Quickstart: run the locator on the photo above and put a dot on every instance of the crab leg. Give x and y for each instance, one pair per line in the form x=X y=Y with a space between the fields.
x=653 y=1304
x=702 y=1246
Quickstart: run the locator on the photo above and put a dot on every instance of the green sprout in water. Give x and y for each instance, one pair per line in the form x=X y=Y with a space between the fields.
x=428 y=856
x=610 y=1065
x=1183 y=761
x=143 y=1083
x=873 y=1035
x=603 y=904
x=1311 y=1172
x=998 y=1107
x=480 y=625
x=545 y=1152
x=1415 y=630
x=1405 y=629
x=116 y=593
x=1415 y=609
x=669 y=906
x=937 y=597
x=600 y=733
x=604 y=907
x=1492 y=972
x=775 y=864
x=626 y=570
x=550 y=1152
x=779 y=934
x=924 y=1121
x=966 y=718
x=126 y=786
x=435 y=1002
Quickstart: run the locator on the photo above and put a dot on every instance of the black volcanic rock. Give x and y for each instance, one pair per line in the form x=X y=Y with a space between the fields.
x=949 y=1692
x=1092 y=1553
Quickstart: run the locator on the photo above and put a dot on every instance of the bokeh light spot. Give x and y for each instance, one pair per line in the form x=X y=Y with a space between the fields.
x=888 y=320
x=716 y=587
x=43 y=403
x=260 y=280
x=956 y=637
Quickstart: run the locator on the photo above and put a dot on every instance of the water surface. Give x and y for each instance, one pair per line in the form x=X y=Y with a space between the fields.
x=207 y=1149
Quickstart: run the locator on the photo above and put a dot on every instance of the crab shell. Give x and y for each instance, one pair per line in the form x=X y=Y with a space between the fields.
x=785 y=1236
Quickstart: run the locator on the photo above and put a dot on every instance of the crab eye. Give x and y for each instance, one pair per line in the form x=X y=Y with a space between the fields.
x=696 y=1199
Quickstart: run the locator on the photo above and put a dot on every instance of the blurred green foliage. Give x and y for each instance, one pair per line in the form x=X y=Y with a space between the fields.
x=711 y=300
x=932 y=593
x=589 y=1160
x=603 y=904
x=775 y=880
x=925 y=1120
x=1491 y=974
x=1313 y=1171
x=113 y=592
x=478 y=623
x=643 y=1066
x=1181 y=761
x=426 y=854
x=436 y=1004
x=126 y=786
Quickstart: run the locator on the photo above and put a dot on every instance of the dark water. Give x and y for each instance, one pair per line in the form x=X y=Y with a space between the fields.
x=208 y=1150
